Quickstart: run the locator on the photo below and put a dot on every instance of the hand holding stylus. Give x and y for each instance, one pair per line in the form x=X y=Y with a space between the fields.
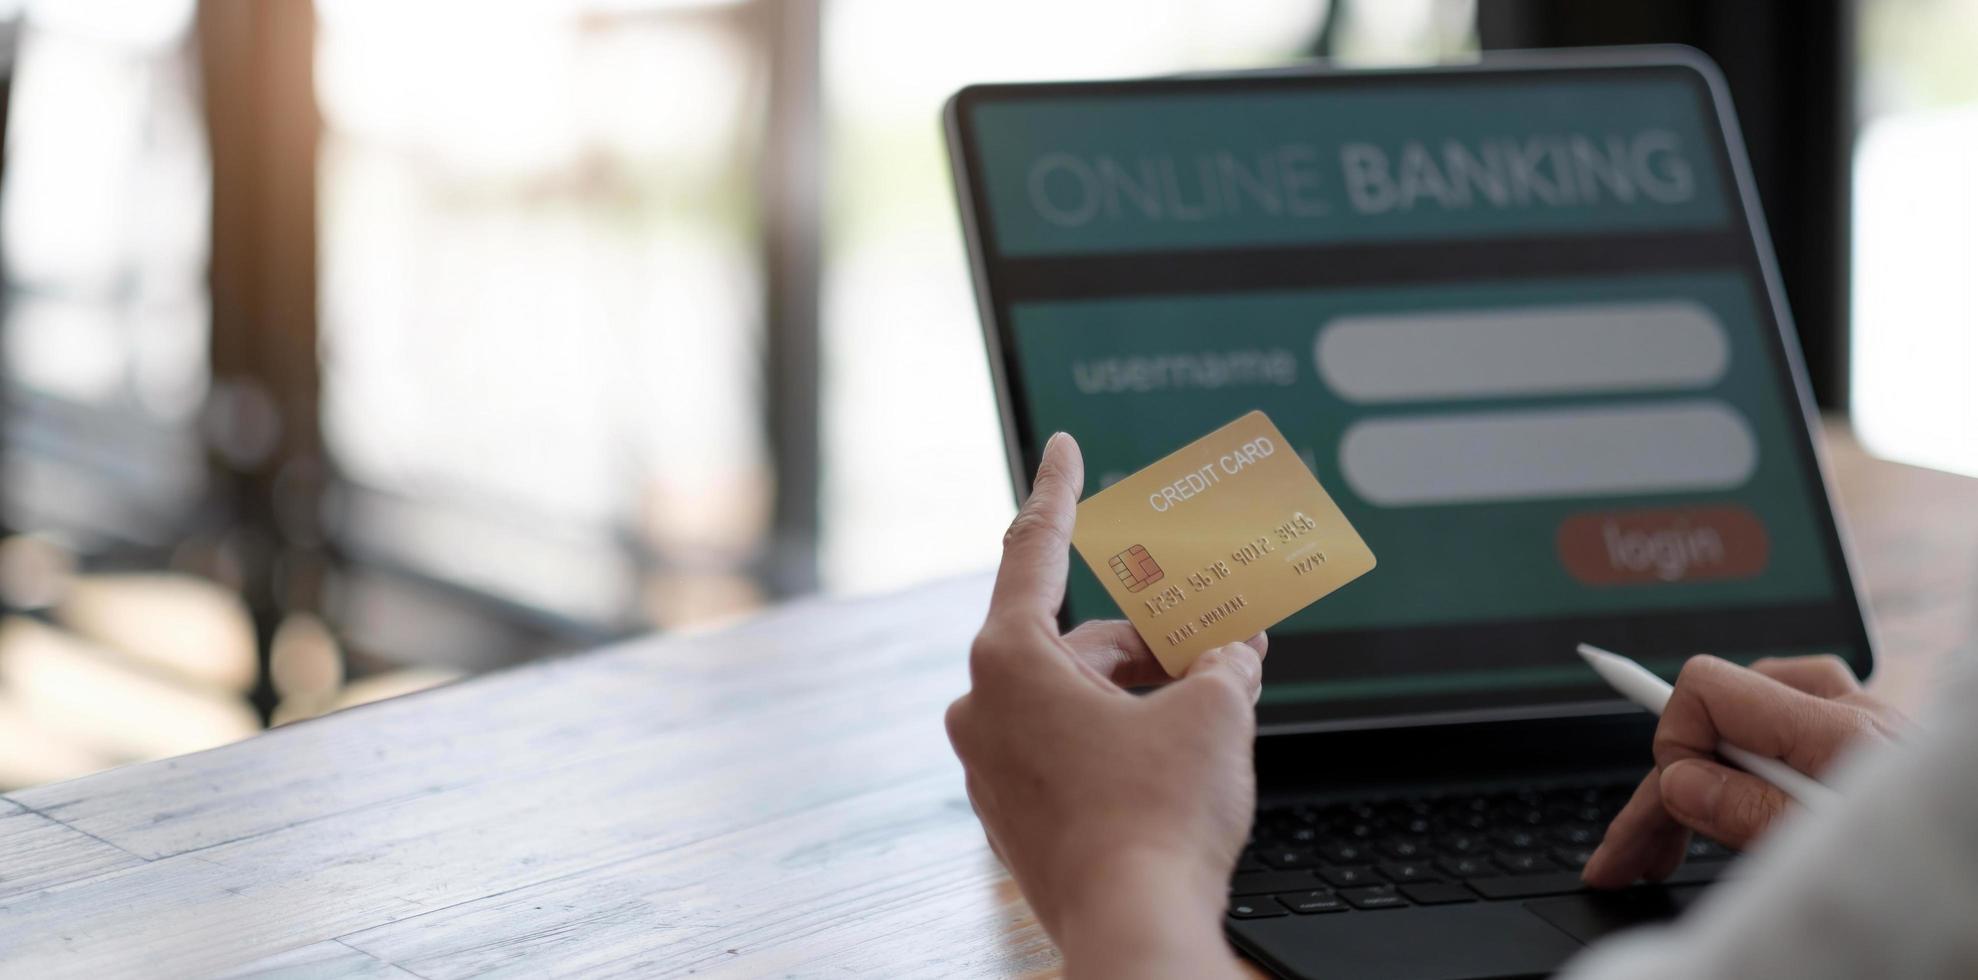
x=1637 y=684
x=1790 y=718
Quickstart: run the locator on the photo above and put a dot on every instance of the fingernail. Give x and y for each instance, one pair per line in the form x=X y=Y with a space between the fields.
x=1692 y=789
x=1055 y=436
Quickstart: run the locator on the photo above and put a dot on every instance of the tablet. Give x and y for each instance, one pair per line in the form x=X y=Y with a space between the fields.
x=1520 y=318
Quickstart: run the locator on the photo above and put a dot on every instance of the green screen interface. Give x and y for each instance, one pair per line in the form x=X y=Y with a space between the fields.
x=1516 y=328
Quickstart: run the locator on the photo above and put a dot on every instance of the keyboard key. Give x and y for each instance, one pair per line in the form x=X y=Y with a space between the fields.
x=1467 y=867
x=1437 y=893
x=1528 y=886
x=1254 y=908
x=1376 y=897
x=1287 y=858
x=1524 y=862
x=1351 y=875
x=1574 y=858
x=1312 y=903
x=1340 y=852
x=1267 y=882
x=1410 y=871
x=1519 y=839
x=1577 y=834
x=1703 y=849
x=1404 y=848
x=1460 y=844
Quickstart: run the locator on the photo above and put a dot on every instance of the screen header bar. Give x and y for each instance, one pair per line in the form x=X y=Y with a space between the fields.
x=1472 y=159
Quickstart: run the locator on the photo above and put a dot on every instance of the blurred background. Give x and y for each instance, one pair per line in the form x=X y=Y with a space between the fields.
x=351 y=347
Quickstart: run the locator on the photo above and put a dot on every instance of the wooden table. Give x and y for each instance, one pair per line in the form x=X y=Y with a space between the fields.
x=778 y=798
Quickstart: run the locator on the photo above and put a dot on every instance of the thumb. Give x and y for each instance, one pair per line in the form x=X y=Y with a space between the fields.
x=1235 y=667
x=1731 y=807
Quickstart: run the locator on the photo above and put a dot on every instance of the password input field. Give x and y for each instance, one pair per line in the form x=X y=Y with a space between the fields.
x=1642 y=448
x=1505 y=353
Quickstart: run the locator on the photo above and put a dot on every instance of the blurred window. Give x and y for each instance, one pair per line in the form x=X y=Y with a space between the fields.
x=104 y=229
x=1915 y=319
x=103 y=225
x=539 y=318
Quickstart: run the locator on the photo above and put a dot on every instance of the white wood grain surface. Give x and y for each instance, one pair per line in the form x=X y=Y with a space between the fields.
x=775 y=799
x=635 y=811
x=37 y=853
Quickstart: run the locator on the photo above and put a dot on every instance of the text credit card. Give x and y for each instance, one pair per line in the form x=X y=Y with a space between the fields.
x=1222 y=539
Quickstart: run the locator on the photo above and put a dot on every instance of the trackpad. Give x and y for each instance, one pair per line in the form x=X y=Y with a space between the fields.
x=1590 y=916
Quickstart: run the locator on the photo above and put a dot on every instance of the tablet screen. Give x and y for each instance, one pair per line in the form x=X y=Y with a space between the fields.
x=1514 y=320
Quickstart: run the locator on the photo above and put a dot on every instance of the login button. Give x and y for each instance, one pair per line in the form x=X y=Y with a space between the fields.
x=1686 y=544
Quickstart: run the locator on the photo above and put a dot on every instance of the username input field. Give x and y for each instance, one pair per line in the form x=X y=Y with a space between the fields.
x=1504 y=353
x=1481 y=457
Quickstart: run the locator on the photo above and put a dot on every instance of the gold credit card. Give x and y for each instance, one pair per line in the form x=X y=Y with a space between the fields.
x=1222 y=539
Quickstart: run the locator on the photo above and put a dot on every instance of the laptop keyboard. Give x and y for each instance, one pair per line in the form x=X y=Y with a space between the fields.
x=1433 y=849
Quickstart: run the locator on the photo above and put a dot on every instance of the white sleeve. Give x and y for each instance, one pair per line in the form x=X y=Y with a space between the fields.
x=1884 y=884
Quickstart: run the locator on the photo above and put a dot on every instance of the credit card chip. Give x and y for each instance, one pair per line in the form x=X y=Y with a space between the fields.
x=1136 y=568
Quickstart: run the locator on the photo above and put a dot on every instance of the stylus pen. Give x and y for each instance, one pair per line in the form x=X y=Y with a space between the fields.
x=1637 y=684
